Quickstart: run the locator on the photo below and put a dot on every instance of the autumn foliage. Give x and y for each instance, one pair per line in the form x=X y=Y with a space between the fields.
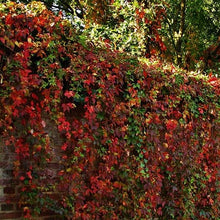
x=140 y=138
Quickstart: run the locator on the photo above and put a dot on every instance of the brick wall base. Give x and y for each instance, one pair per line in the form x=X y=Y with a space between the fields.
x=9 y=186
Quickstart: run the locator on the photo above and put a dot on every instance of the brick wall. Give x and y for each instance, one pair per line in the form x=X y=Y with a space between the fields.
x=9 y=187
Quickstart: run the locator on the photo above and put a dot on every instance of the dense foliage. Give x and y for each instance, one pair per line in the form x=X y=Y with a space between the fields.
x=140 y=137
x=132 y=27
x=190 y=30
x=128 y=26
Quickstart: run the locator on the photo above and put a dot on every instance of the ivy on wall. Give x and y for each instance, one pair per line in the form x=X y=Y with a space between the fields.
x=141 y=138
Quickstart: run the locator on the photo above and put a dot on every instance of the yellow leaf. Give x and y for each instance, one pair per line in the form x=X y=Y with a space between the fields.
x=29 y=40
x=68 y=170
x=18 y=44
x=1 y=78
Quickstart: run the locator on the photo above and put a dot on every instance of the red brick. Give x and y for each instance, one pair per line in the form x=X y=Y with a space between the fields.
x=3 y=164
x=13 y=215
x=10 y=198
x=8 y=182
x=2 y=199
x=20 y=207
x=47 y=213
x=9 y=190
x=7 y=207
x=53 y=166
x=55 y=218
x=8 y=173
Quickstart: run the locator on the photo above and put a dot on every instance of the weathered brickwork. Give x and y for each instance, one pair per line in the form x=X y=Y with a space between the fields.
x=9 y=186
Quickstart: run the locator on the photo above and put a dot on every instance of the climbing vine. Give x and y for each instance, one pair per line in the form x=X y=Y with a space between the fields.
x=140 y=138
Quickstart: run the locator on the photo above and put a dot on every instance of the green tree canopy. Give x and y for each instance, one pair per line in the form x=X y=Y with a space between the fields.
x=190 y=28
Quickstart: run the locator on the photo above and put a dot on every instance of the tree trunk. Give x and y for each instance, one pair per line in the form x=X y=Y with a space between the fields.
x=181 y=32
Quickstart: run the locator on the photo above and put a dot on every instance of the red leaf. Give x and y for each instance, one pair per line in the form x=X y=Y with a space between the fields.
x=115 y=70
x=34 y=96
x=141 y=14
x=38 y=148
x=177 y=114
x=64 y=146
x=67 y=106
x=2 y=39
x=171 y=124
x=145 y=74
x=22 y=178
x=8 y=19
x=29 y=175
x=69 y=94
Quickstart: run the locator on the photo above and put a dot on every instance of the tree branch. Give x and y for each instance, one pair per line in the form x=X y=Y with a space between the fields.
x=181 y=31
x=170 y=32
